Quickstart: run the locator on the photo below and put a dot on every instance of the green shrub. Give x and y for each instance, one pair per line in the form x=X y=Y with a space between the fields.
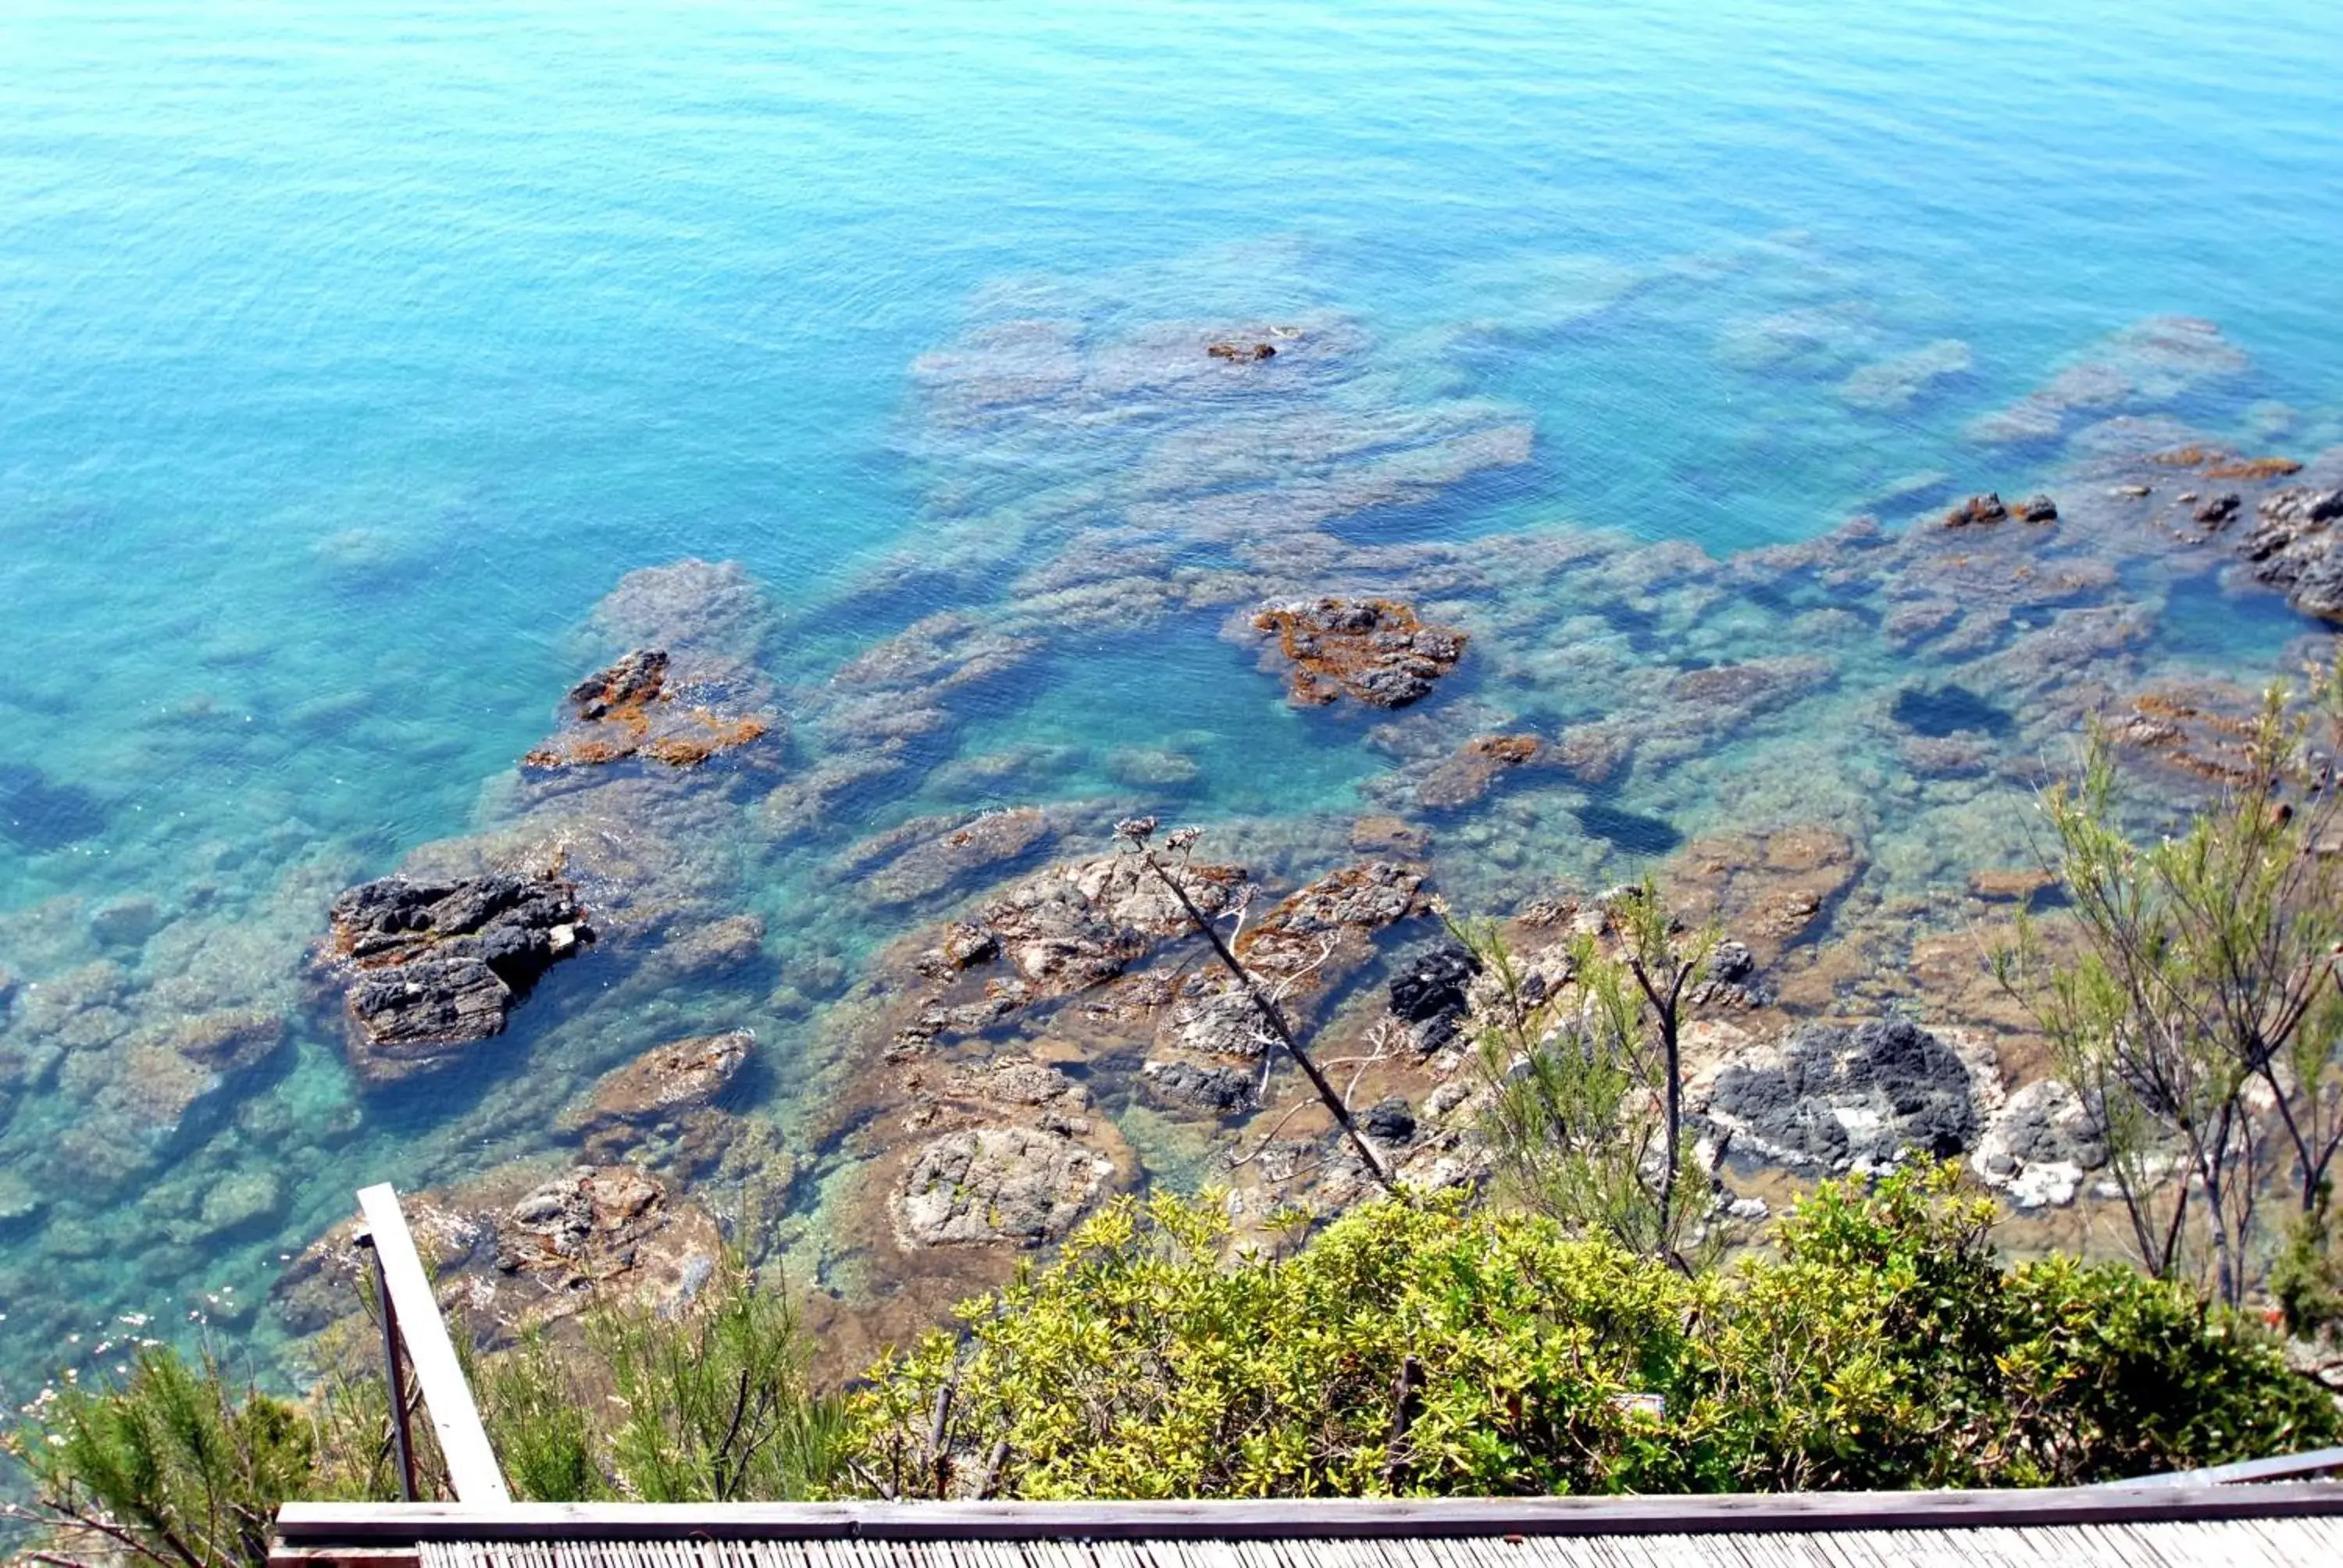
x=710 y=1401
x=1437 y=1350
x=714 y=1402
x=176 y=1466
x=536 y=1420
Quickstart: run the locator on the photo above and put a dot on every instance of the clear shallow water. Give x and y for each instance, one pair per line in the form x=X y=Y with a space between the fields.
x=348 y=358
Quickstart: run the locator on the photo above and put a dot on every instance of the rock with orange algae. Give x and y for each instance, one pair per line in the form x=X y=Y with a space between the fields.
x=2252 y=468
x=1467 y=776
x=2219 y=464
x=520 y=1248
x=1987 y=508
x=1374 y=649
x=2204 y=727
x=636 y=709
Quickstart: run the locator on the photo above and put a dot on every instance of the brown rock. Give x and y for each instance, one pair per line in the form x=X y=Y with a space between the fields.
x=1466 y=777
x=1981 y=509
x=664 y=1082
x=1374 y=649
x=2015 y=885
x=1767 y=889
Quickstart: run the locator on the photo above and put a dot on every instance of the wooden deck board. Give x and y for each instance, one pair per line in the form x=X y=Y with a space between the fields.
x=2172 y=1543
x=2198 y=1526
x=360 y=1524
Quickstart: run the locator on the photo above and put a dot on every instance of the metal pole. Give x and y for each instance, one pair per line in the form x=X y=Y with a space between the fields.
x=402 y=1442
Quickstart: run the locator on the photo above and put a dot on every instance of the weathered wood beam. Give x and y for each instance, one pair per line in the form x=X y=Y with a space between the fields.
x=316 y=1523
x=472 y=1468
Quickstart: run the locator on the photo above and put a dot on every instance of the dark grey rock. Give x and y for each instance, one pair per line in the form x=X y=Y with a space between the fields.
x=430 y=965
x=2220 y=510
x=1221 y=1091
x=1431 y=993
x=1391 y=1120
x=1841 y=1096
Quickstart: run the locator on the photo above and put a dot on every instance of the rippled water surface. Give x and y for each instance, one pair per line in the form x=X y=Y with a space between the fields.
x=350 y=356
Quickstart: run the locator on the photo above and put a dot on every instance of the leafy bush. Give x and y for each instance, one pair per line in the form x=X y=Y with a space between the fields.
x=1436 y=1350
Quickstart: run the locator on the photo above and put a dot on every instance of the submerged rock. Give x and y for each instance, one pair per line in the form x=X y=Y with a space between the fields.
x=431 y=966
x=664 y=1083
x=1374 y=649
x=2295 y=546
x=1467 y=776
x=37 y=813
x=714 y=607
x=929 y=855
x=1888 y=385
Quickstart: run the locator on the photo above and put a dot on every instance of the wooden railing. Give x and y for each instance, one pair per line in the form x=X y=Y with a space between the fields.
x=410 y=1317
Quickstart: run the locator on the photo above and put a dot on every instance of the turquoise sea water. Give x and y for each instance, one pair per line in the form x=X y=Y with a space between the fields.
x=350 y=355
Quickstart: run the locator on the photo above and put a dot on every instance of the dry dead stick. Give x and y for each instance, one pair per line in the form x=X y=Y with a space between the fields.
x=1277 y=1024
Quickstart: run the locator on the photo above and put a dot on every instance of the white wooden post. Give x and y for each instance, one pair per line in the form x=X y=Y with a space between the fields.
x=446 y=1397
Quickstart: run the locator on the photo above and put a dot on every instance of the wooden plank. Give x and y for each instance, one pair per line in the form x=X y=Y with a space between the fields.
x=2172 y=1544
x=446 y=1397
x=1327 y=1519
